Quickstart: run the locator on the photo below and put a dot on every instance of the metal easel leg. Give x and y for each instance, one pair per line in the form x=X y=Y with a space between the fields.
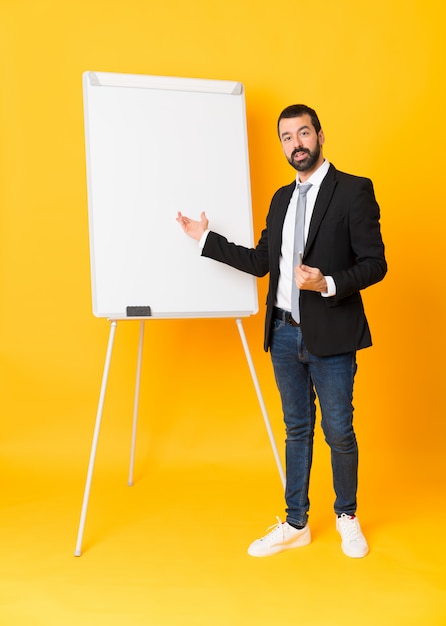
x=111 y=338
x=136 y=403
x=260 y=398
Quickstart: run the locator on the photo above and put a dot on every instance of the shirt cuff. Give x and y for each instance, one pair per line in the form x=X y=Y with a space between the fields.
x=203 y=238
x=331 y=287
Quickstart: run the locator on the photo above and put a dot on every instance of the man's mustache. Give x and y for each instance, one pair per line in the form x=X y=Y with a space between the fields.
x=297 y=150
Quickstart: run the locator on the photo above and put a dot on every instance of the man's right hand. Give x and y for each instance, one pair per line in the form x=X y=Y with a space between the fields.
x=193 y=228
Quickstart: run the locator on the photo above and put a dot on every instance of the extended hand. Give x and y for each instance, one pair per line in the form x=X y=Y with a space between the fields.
x=193 y=228
x=310 y=278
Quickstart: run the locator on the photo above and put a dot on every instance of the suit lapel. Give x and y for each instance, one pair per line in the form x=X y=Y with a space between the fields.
x=322 y=202
x=279 y=213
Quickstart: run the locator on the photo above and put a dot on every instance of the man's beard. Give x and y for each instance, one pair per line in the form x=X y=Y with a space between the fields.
x=306 y=164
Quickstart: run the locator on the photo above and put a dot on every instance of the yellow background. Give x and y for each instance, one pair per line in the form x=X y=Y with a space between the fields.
x=172 y=550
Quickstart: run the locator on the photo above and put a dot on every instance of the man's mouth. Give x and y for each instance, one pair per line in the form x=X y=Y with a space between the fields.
x=298 y=155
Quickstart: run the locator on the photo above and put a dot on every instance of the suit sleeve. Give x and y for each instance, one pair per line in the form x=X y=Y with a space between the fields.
x=250 y=260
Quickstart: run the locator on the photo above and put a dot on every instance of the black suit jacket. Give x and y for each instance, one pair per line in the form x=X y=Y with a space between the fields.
x=344 y=241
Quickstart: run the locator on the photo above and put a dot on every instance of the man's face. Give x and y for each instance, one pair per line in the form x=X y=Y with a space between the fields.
x=301 y=144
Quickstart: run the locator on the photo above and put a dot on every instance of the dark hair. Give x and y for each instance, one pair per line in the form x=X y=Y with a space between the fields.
x=297 y=110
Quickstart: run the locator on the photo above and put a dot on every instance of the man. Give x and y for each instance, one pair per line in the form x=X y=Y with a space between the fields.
x=321 y=245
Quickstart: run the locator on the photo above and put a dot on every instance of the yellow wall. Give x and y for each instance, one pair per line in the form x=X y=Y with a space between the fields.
x=373 y=71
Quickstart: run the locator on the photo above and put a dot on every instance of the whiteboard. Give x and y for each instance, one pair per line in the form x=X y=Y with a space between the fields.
x=154 y=146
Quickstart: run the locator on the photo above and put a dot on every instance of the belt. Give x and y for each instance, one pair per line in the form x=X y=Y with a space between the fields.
x=285 y=316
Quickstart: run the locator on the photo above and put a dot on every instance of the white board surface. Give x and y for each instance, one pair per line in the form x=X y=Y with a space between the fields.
x=156 y=146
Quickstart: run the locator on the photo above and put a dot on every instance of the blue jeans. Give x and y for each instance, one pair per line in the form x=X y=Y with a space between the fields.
x=300 y=376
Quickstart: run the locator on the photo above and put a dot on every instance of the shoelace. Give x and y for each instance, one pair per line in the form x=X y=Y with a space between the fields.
x=273 y=530
x=349 y=527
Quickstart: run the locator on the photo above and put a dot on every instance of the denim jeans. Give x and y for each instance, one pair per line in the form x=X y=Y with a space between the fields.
x=300 y=376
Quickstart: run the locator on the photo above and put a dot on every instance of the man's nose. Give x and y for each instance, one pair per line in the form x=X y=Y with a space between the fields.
x=297 y=143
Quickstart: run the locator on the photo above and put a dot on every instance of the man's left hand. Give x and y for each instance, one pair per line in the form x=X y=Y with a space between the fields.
x=310 y=278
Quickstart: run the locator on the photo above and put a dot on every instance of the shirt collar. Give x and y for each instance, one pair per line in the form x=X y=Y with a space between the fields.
x=318 y=176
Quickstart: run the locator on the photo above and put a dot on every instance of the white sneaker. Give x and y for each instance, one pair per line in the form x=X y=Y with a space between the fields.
x=354 y=543
x=282 y=537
